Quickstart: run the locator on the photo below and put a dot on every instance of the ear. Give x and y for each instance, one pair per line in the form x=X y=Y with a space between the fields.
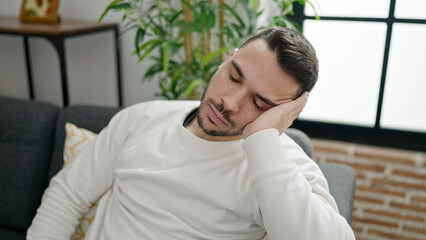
x=230 y=55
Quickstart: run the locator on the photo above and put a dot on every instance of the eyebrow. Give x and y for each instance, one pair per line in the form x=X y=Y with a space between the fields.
x=237 y=67
x=267 y=101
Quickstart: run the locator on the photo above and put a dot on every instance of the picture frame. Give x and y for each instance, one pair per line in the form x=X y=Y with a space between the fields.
x=39 y=11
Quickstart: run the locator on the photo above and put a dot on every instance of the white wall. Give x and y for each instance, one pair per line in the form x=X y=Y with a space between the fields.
x=90 y=61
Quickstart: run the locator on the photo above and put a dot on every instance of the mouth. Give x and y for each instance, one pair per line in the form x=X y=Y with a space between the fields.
x=216 y=117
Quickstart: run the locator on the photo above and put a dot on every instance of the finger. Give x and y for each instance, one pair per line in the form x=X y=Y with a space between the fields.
x=302 y=100
x=303 y=97
x=298 y=104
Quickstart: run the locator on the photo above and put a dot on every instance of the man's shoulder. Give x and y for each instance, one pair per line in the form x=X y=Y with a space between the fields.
x=154 y=113
x=160 y=108
x=165 y=105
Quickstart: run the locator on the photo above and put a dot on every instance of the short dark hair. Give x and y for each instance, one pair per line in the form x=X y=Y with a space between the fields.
x=295 y=54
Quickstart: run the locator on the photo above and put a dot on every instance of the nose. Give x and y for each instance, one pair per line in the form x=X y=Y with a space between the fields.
x=233 y=101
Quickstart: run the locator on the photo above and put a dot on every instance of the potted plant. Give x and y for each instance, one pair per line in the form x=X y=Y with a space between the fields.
x=179 y=37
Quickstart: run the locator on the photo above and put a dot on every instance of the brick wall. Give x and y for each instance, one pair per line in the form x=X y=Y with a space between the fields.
x=390 y=198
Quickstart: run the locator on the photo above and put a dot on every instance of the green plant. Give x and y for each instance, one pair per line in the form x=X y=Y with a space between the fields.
x=166 y=31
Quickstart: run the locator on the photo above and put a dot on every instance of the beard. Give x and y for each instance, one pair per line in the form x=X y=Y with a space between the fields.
x=232 y=131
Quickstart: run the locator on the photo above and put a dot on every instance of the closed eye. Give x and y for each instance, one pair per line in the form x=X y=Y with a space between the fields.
x=233 y=79
x=259 y=106
x=266 y=101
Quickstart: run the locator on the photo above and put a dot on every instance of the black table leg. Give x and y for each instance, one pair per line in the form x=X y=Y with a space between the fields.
x=117 y=53
x=58 y=43
x=28 y=65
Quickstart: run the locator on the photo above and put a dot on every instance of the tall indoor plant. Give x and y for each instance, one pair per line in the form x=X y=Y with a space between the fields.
x=179 y=36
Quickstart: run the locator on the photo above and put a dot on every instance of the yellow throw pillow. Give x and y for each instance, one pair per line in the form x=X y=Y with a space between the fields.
x=77 y=139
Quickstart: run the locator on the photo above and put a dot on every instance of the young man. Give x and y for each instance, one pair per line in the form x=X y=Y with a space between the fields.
x=219 y=169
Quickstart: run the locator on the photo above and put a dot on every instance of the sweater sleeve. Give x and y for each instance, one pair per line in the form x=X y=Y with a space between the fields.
x=291 y=191
x=76 y=187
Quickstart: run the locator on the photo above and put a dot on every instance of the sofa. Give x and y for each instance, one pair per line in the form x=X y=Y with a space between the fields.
x=32 y=135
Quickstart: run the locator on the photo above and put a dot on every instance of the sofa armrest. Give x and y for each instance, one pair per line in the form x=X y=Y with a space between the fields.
x=341 y=181
x=341 y=178
x=301 y=139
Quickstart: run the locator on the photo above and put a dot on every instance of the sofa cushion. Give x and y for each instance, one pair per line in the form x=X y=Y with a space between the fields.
x=26 y=142
x=8 y=234
x=93 y=118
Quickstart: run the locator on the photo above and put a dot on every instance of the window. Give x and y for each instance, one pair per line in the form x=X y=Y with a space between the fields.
x=404 y=101
x=372 y=72
x=341 y=94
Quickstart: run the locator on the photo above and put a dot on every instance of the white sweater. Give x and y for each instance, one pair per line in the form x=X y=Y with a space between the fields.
x=156 y=180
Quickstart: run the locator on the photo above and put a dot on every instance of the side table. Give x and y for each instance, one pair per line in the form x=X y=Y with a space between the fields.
x=56 y=34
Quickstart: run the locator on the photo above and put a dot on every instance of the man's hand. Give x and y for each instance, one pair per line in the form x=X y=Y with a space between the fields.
x=279 y=117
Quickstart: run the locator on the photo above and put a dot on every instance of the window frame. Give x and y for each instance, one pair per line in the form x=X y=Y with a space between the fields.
x=378 y=136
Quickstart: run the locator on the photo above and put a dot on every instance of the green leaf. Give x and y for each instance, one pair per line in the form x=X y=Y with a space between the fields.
x=140 y=34
x=234 y=13
x=183 y=24
x=151 y=71
x=164 y=91
x=237 y=29
x=284 y=22
x=126 y=29
x=288 y=11
x=190 y=30
x=189 y=5
x=148 y=43
x=313 y=8
x=193 y=85
x=147 y=52
x=207 y=59
x=255 y=4
x=189 y=77
x=175 y=47
x=175 y=16
x=179 y=92
x=198 y=52
x=141 y=23
x=209 y=77
x=166 y=56
x=211 y=20
x=121 y=6
x=175 y=78
x=294 y=24
x=160 y=20
x=212 y=65
x=302 y=2
x=113 y=3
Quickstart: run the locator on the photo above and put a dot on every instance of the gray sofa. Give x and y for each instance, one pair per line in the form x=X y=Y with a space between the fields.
x=32 y=136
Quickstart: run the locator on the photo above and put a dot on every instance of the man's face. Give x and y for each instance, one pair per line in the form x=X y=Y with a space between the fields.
x=249 y=83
